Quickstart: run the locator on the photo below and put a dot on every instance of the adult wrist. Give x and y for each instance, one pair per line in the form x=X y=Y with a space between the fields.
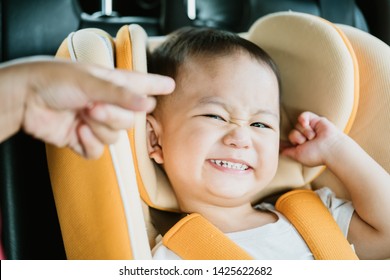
x=12 y=96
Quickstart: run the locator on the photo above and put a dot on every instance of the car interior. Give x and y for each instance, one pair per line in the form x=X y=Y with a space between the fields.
x=31 y=228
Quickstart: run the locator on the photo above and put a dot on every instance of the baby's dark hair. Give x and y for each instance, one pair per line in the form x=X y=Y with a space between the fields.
x=194 y=41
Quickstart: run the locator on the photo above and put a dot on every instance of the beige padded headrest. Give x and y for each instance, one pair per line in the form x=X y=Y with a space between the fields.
x=318 y=73
x=371 y=126
x=92 y=45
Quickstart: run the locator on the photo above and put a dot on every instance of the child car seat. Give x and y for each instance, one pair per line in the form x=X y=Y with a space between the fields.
x=92 y=214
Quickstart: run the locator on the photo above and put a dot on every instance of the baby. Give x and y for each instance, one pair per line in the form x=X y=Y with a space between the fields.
x=217 y=139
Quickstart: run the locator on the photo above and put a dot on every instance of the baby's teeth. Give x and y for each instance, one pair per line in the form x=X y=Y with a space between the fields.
x=232 y=165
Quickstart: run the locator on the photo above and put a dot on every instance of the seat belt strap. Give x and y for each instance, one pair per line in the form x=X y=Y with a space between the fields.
x=194 y=238
x=305 y=210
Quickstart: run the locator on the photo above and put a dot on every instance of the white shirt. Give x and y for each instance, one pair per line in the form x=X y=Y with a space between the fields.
x=279 y=240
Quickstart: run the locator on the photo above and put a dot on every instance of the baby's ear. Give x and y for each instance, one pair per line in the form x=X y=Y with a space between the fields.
x=153 y=134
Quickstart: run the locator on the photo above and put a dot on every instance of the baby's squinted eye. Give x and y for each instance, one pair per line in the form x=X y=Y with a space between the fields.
x=260 y=125
x=255 y=124
x=214 y=117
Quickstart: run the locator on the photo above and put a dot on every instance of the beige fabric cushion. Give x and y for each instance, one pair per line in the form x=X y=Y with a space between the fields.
x=319 y=74
x=371 y=126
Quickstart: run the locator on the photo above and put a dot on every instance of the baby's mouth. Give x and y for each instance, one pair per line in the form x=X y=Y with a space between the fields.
x=230 y=164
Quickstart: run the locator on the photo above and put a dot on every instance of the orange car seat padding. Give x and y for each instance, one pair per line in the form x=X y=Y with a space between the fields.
x=305 y=210
x=123 y=49
x=123 y=165
x=89 y=208
x=125 y=59
x=356 y=78
x=195 y=238
x=130 y=46
x=89 y=194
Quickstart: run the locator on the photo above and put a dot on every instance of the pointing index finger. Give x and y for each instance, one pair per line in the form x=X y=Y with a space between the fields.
x=138 y=83
x=127 y=89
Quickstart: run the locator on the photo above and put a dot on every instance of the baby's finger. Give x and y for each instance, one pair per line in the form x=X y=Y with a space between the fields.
x=304 y=119
x=307 y=131
x=296 y=137
x=112 y=116
x=308 y=120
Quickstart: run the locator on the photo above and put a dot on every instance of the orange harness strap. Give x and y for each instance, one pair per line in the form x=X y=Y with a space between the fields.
x=194 y=238
x=305 y=210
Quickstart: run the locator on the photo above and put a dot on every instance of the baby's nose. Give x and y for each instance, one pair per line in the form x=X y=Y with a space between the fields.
x=238 y=137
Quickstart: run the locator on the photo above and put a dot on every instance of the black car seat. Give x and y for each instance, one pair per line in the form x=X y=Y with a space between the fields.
x=237 y=16
x=30 y=227
x=377 y=14
x=38 y=27
x=111 y=15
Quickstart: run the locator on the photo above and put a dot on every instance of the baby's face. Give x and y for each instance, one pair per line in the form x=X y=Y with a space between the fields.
x=220 y=131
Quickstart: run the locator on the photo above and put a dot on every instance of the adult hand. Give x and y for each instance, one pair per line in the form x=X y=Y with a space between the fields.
x=74 y=105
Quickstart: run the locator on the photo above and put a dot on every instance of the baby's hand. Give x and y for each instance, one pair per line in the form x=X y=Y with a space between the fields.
x=311 y=140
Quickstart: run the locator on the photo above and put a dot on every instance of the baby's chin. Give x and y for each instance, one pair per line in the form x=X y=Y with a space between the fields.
x=233 y=192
